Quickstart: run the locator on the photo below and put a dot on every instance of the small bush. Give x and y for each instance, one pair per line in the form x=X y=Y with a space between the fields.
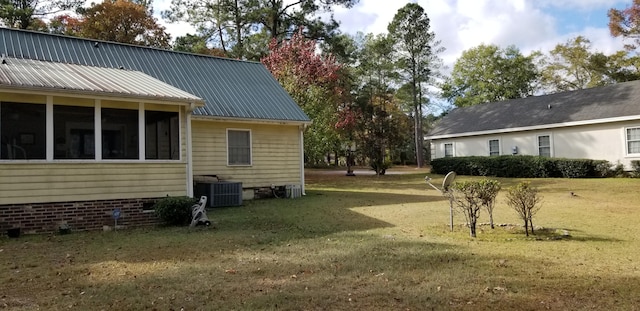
x=175 y=211
x=525 y=200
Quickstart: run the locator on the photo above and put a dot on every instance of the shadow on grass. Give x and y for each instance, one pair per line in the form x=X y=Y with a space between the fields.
x=379 y=275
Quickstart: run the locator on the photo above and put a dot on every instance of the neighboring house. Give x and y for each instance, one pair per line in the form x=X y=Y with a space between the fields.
x=600 y=123
x=166 y=119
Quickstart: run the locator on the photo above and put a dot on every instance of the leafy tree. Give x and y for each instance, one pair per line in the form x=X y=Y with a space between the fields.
x=374 y=97
x=487 y=73
x=25 y=14
x=568 y=67
x=312 y=81
x=195 y=44
x=626 y=23
x=417 y=48
x=525 y=200
x=243 y=28
x=123 y=21
x=65 y=25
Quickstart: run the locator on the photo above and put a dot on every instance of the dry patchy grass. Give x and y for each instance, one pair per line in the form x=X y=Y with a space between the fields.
x=353 y=243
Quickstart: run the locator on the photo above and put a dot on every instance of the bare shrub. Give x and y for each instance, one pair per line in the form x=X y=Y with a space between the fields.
x=467 y=198
x=488 y=191
x=524 y=199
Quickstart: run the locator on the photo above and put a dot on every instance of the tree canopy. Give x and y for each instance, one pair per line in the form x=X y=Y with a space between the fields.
x=488 y=73
x=27 y=14
x=416 y=50
x=244 y=28
x=626 y=23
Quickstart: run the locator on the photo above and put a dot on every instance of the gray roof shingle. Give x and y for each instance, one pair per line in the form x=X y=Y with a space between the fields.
x=230 y=88
x=31 y=74
x=613 y=101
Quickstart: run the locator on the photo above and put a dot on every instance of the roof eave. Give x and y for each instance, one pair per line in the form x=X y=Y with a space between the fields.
x=110 y=95
x=534 y=127
x=250 y=120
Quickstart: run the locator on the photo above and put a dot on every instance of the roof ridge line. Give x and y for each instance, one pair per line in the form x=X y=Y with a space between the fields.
x=128 y=44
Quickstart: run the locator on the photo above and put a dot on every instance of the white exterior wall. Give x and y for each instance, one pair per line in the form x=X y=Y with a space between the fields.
x=605 y=141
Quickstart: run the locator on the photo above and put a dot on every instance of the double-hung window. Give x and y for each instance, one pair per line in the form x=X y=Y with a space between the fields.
x=239 y=147
x=494 y=147
x=544 y=146
x=633 y=140
x=448 y=150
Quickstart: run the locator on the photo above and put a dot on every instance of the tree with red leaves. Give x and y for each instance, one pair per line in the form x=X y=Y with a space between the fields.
x=626 y=23
x=312 y=80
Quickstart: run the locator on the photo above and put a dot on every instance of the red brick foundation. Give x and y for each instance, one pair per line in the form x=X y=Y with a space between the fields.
x=79 y=216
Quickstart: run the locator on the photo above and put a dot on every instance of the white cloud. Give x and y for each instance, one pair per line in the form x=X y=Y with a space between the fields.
x=463 y=24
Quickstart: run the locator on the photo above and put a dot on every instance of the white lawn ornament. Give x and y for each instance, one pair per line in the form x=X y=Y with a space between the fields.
x=199 y=213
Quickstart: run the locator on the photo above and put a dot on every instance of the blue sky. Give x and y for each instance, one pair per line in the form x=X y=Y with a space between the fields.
x=528 y=24
x=463 y=24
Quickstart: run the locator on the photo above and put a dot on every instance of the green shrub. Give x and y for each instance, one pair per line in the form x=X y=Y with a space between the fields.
x=175 y=211
x=635 y=168
x=521 y=167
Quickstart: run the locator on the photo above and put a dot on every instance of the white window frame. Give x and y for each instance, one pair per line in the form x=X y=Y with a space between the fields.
x=499 y=146
x=627 y=141
x=453 y=150
x=250 y=146
x=550 y=143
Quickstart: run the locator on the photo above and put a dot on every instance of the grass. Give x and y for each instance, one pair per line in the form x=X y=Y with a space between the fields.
x=353 y=243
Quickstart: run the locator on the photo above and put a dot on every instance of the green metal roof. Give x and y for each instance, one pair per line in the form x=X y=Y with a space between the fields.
x=230 y=88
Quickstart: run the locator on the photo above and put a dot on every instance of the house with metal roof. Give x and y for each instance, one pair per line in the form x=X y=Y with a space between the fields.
x=600 y=123
x=88 y=127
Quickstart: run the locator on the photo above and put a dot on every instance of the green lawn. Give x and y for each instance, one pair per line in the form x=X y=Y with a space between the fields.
x=352 y=243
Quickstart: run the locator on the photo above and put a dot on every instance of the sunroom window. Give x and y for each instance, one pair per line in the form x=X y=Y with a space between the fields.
x=162 y=135
x=74 y=134
x=119 y=134
x=22 y=131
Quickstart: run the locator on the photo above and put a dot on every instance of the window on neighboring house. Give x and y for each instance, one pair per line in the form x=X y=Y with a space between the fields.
x=544 y=146
x=239 y=147
x=494 y=147
x=73 y=129
x=448 y=150
x=633 y=140
x=23 y=131
x=162 y=135
x=119 y=134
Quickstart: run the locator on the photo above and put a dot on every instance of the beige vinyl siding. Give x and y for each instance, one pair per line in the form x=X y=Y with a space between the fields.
x=61 y=182
x=275 y=153
x=598 y=141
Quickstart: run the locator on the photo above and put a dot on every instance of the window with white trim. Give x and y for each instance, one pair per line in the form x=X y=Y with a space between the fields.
x=494 y=147
x=238 y=147
x=448 y=150
x=633 y=140
x=544 y=146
